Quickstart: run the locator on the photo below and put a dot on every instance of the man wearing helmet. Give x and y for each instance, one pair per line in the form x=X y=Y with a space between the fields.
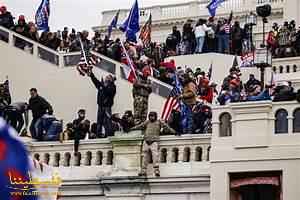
x=151 y=130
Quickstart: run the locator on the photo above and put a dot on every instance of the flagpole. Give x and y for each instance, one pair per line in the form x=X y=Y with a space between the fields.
x=129 y=60
x=82 y=49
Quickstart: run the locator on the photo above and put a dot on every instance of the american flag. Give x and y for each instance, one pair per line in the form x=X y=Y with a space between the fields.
x=83 y=66
x=145 y=34
x=247 y=60
x=172 y=103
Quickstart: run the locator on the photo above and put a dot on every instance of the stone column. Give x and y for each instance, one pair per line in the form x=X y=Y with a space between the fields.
x=180 y=154
x=83 y=158
x=127 y=154
x=51 y=159
x=94 y=161
x=169 y=155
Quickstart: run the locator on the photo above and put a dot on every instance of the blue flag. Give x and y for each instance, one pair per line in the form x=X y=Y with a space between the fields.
x=113 y=23
x=212 y=7
x=42 y=15
x=14 y=166
x=132 y=25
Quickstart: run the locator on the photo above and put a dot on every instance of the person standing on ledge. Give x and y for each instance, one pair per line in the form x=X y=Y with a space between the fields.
x=151 y=130
x=39 y=106
x=106 y=94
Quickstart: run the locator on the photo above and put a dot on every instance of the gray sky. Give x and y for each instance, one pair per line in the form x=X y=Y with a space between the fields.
x=80 y=14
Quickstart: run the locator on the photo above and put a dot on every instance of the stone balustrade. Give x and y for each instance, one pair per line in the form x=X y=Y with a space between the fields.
x=286 y=65
x=189 y=10
x=256 y=124
x=121 y=155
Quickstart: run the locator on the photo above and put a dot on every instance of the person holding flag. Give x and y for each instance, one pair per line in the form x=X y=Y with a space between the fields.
x=131 y=25
x=42 y=16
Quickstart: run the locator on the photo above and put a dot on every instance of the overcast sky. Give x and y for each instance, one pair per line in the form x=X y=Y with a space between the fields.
x=80 y=14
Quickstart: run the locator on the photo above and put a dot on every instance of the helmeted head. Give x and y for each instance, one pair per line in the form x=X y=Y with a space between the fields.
x=152 y=116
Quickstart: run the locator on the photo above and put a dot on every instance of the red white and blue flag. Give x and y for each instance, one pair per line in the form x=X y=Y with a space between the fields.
x=14 y=166
x=247 y=60
x=172 y=103
x=128 y=68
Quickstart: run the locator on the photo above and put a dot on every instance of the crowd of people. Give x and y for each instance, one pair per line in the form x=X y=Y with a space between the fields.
x=284 y=41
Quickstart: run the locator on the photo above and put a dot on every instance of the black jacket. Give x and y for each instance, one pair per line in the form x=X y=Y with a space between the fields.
x=106 y=93
x=7 y=20
x=39 y=106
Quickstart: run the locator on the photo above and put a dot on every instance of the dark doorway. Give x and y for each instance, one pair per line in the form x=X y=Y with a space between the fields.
x=256 y=186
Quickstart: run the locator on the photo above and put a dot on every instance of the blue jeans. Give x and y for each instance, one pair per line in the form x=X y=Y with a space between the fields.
x=35 y=129
x=223 y=43
x=104 y=120
x=200 y=43
x=186 y=119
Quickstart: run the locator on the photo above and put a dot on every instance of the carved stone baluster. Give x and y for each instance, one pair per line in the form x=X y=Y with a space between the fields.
x=51 y=159
x=169 y=155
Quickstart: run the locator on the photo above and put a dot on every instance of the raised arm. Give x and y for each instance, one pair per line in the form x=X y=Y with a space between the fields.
x=96 y=82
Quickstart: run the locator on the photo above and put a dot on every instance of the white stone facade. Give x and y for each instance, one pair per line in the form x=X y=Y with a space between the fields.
x=164 y=17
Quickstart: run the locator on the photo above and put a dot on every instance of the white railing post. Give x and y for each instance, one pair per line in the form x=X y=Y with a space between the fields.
x=35 y=50
x=11 y=41
x=61 y=62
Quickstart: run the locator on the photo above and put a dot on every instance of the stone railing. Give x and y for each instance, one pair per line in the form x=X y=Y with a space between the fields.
x=286 y=65
x=256 y=124
x=121 y=155
x=189 y=10
x=61 y=60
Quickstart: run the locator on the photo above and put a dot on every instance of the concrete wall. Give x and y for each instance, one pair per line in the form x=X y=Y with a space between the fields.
x=64 y=88
x=254 y=147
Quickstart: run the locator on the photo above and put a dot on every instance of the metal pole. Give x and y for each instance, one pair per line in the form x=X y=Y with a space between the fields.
x=251 y=37
x=82 y=49
x=264 y=37
x=262 y=76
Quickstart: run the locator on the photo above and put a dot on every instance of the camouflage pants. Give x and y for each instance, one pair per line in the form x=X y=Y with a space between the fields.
x=140 y=107
x=152 y=148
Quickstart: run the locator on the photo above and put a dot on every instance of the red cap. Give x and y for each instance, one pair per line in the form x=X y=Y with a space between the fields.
x=205 y=82
x=146 y=72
